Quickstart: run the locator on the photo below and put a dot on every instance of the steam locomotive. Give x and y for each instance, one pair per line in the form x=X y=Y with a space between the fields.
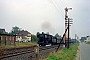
x=47 y=39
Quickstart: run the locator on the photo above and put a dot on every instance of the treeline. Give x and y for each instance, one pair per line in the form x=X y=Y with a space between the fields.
x=33 y=36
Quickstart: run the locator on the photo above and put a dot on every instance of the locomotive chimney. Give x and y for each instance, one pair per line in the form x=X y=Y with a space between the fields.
x=42 y=32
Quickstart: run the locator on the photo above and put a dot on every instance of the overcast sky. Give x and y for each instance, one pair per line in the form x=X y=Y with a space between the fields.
x=45 y=15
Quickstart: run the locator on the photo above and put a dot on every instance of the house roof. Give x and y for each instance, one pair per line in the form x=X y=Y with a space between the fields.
x=3 y=31
x=22 y=33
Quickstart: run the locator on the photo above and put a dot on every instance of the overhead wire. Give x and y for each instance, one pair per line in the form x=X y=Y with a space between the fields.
x=58 y=8
x=70 y=17
x=64 y=2
x=55 y=5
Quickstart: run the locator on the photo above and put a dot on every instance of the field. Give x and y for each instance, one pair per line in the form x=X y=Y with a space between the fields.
x=64 y=54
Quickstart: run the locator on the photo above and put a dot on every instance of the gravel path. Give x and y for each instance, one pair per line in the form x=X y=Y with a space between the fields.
x=78 y=54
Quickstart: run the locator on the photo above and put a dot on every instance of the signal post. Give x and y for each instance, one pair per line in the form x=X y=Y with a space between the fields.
x=67 y=24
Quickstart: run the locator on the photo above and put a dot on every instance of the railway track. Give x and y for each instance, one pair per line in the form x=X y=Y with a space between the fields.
x=24 y=50
x=16 y=51
x=47 y=47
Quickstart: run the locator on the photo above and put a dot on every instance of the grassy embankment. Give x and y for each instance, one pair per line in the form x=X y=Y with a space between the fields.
x=18 y=44
x=87 y=43
x=64 y=54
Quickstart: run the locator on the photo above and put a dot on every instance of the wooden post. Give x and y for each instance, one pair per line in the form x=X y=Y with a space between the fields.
x=0 y=40
x=36 y=49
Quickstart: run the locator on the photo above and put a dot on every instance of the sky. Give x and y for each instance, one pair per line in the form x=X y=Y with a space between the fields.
x=45 y=16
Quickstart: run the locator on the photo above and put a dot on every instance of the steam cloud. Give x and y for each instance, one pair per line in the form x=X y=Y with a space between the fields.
x=47 y=27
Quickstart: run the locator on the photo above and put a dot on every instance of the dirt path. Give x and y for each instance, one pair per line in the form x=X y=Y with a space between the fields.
x=78 y=54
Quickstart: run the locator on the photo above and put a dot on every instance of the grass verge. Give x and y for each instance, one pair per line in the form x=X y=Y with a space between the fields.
x=64 y=54
x=18 y=44
x=87 y=43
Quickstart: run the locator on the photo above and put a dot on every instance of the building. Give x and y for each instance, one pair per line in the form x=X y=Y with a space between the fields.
x=74 y=40
x=88 y=39
x=7 y=39
x=23 y=36
x=83 y=39
x=3 y=31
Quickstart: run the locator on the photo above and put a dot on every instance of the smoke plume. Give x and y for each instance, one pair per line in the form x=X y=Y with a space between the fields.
x=47 y=27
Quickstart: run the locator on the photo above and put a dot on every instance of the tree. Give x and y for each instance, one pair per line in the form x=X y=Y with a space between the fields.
x=60 y=36
x=14 y=30
x=47 y=33
x=1 y=32
x=56 y=35
x=34 y=38
x=37 y=33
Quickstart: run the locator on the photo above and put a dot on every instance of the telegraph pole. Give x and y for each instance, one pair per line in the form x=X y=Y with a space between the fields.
x=0 y=40
x=66 y=10
x=68 y=33
x=75 y=37
x=69 y=30
x=67 y=26
x=67 y=21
